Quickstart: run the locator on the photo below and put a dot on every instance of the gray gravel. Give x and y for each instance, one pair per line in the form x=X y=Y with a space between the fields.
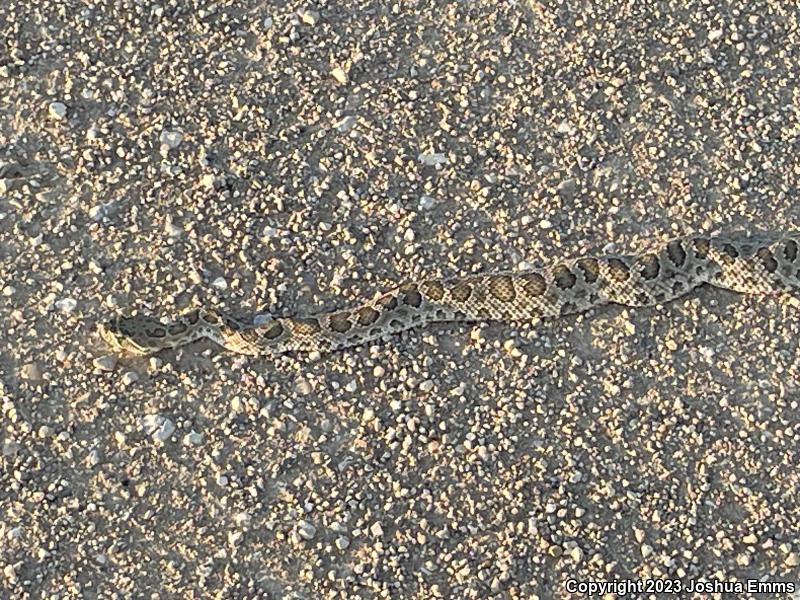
x=285 y=157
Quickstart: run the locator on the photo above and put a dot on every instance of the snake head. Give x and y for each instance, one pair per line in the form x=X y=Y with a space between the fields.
x=133 y=335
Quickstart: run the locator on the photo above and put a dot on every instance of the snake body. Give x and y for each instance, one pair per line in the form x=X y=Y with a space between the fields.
x=760 y=264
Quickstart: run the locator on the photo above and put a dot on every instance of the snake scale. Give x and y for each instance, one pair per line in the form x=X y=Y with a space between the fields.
x=752 y=264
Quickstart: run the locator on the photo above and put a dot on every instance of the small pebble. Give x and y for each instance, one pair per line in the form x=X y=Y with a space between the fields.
x=66 y=305
x=426 y=203
x=171 y=139
x=130 y=377
x=193 y=439
x=339 y=75
x=303 y=387
x=208 y=181
x=105 y=363
x=346 y=124
x=159 y=428
x=309 y=17
x=433 y=159
x=342 y=543
x=306 y=530
x=57 y=110
x=31 y=372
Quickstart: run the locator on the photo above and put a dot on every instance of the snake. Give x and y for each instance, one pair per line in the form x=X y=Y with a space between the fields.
x=763 y=264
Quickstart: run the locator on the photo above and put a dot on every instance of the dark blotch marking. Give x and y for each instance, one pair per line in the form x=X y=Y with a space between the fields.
x=563 y=277
x=651 y=266
x=158 y=332
x=211 y=318
x=387 y=302
x=232 y=324
x=367 y=316
x=730 y=250
x=413 y=299
x=177 y=328
x=272 y=330
x=701 y=247
x=461 y=292
x=502 y=288
x=618 y=270
x=534 y=284
x=411 y=295
x=590 y=268
x=340 y=322
x=676 y=253
x=394 y=323
x=433 y=289
x=643 y=299
x=678 y=287
x=568 y=308
x=769 y=262
x=307 y=325
x=193 y=317
x=790 y=250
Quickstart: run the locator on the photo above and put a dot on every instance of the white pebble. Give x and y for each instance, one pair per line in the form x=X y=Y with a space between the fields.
x=130 y=377
x=171 y=139
x=310 y=17
x=306 y=530
x=376 y=529
x=342 y=543
x=193 y=439
x=97 y=212
x=66 y=305
x=432 y=159
x=565 y=128
x=346 y=124
x=208 y=181
x=426 y=203
x=158 y=427
x=58 y=110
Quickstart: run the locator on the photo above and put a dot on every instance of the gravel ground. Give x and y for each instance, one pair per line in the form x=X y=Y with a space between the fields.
x=285 y=157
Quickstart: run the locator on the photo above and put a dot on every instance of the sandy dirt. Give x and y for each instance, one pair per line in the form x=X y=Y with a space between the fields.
x=289 y=158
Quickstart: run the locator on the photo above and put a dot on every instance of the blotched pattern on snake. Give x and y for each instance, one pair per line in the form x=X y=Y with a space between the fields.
x=760 y=264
